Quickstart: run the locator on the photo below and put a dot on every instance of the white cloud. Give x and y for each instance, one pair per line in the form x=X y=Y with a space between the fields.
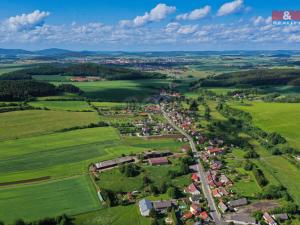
x=187 y=29
x=26 y=21
x=230 y=7
x=158 y=13
x=195 y=14
x=259 y=20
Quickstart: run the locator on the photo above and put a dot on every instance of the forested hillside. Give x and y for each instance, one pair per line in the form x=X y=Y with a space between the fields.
x=84 y=69
x=254 y=78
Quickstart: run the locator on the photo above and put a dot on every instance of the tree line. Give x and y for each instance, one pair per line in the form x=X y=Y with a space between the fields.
x=256 y=77
x=82 y=69
x=15 y=90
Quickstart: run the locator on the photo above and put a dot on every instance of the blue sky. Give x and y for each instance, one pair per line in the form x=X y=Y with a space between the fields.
x=145 y=25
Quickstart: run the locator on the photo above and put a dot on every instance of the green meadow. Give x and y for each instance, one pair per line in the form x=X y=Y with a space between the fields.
x=120 y=215
x=71 y=196
x=120 y=90
x=283 y=118
x=27 y=123
x=62 y=105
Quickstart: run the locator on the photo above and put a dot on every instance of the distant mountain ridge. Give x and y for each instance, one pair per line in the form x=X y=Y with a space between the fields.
x=57 y=52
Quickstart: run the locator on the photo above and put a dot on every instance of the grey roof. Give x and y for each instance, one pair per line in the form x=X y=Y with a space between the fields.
x=145 y=205
x=162 y=204
x=238 y=202
x=281 y=216
x=114 y=162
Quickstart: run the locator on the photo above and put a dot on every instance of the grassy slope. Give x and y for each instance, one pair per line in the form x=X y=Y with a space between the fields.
x=62 y=105
x=283 y=118
x=70 y=196
x=32 y=122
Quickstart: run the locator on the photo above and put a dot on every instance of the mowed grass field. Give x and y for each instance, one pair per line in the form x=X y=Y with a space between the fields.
x=283 y=118
x=120 y=90
x=62 y=105
x=120 y=215
x=71 y=196
x=19 y=124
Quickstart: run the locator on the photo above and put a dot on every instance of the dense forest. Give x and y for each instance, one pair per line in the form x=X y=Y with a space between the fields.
x=14 y=90
x=82 y=69
x=254 y=78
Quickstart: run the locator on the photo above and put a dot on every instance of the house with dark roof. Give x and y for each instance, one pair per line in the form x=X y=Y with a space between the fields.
x=238 y=202
x=162 y=206
x=145 y=207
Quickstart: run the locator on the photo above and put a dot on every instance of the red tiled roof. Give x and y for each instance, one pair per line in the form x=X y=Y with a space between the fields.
x=215 y=150
x=195 y=177
x=203 y=215
x=192 y=188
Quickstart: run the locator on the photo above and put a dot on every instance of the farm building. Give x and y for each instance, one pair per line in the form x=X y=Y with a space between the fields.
x=158 y=161
x=238 y=202
x=145 y=207
x=241 y=218
x=113 y=163
x=156 y=154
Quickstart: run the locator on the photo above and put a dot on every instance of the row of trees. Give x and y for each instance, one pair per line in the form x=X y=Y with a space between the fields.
x=59 y=220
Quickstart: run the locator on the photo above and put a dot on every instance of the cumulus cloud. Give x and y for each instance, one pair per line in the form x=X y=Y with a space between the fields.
x=230 y=7
x=259 y=20
x=27 y=21
x=158 y=13
x=187 y=29
x=195 y=14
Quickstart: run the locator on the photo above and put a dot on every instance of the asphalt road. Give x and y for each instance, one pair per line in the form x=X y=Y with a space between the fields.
x=216 y=216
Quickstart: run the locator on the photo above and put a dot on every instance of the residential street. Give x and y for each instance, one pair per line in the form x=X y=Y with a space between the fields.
x=216 y=216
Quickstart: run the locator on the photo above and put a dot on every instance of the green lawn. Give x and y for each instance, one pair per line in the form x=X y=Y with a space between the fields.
x=114 y=180
x=19 y=124
x=71 y=196
x=283 y=118
x=120 y=90
x=120 y=215
x=62 y=105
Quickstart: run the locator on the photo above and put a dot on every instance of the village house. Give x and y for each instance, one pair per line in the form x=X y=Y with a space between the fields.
x=268 y=219
x=187 y=215
x=216 y=193
x=195 y=199
x=216 y=165
x=238 y=202
x=195 y=209
x=280 y=217
x=223 y=191
x=225 y=180
x=145 y=207
x=192 y=189
x=195 y=177
x=223 y=208
x=162 y=206
x=158 y=161
x=204 y=216
x=215 y=151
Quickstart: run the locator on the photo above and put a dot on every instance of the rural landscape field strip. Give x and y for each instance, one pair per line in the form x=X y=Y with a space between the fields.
x=28 y=123
x=72 y=195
